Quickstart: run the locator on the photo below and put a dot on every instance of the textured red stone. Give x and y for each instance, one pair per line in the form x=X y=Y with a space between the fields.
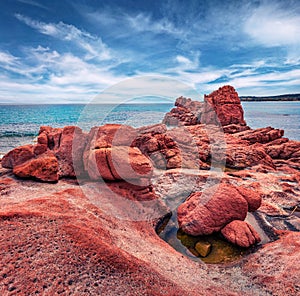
x=208 y=212
x=118 y=163
x=260 y=135
x=187 y=112
x=17 y=156
x=276 y=265
x=43 y=168
x=54 y=246
x=252 y=197
x=223 y=106
x=241 y=233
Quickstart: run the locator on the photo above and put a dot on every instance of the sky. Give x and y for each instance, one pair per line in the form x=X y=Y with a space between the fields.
x=70 y=51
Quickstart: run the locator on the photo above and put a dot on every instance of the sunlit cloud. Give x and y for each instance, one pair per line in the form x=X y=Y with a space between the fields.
x=93 y=45
x=274 y=25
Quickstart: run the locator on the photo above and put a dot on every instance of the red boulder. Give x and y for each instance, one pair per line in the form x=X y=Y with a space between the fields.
x=206 y=212
x=43 y=168
x=118 y=163
x=241 y=233
x=17 y=156
x=223 y=106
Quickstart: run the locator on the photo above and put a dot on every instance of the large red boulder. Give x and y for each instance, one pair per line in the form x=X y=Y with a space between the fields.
x=107 y=136
x=70 y=151
x=254 y=198
x=43 y=168
x=17 y=156
x=223 y=106
x=118 y=163
x=206 y=212
x=68 y=145
x=241 y=233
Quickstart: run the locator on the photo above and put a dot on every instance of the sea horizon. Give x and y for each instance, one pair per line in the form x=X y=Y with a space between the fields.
x=20 y=123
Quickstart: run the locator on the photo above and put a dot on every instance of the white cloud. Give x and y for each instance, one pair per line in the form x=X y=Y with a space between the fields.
x=143 y=22
x=7 y=58
x=45 y=75
x=272 y=25
x=187 y=63
x=94 y=46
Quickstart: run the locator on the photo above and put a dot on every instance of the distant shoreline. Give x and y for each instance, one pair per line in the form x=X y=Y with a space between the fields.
x=284 y=98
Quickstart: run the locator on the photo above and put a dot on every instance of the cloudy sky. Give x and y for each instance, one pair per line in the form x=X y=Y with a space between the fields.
x=68 y=51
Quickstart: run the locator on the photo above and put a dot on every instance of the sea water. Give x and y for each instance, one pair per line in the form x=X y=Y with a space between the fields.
x=19 y=124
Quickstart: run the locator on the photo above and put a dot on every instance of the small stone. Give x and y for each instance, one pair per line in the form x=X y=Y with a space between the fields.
x=203 y=248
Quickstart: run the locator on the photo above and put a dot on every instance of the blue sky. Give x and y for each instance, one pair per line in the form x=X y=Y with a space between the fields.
x=64 y=51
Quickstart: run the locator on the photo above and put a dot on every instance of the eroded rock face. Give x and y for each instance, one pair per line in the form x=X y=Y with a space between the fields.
x=187 y=112
x=260 y=135
x=17 y=156
x=118 y=163
x=241 y=233
x=275 y=265
x=253 y=198
x=70 y=151
x=208 y=212
x=43 y=168
x=223 y=106
x=109 y=155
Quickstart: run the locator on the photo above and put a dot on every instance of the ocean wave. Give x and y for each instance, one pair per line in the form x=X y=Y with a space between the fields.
x=18 y=134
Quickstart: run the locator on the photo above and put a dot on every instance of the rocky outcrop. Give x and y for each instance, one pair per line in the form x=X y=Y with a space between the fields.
x=61 y=141
x=287 y=150
x=209 y=211
x=109 y=156
x=18 y=156
x=241 y=233
x=261 y=135
x=187 y=112
x=104 y=153
x=223 y=107
x=98 y=237
x=43 y=168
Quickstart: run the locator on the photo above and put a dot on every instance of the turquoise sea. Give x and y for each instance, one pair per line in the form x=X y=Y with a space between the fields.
x=19 y=124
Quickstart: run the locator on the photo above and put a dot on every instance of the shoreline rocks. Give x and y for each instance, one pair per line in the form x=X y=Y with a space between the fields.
x=206 y=212
x=126 y=176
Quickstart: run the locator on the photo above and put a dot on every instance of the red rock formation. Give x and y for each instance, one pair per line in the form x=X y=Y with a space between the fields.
x=223 y=107
x=187 y=112
x=240 y=154
x=274 y=267
x=108 y=154
x=17 y=156
x=253 y=197
x=160 y=147
x=61 y=141
x=286 y=150
x=260 y=135
x=43 y=168
x=241 y=233
x=208 y=212
x=118 y=163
